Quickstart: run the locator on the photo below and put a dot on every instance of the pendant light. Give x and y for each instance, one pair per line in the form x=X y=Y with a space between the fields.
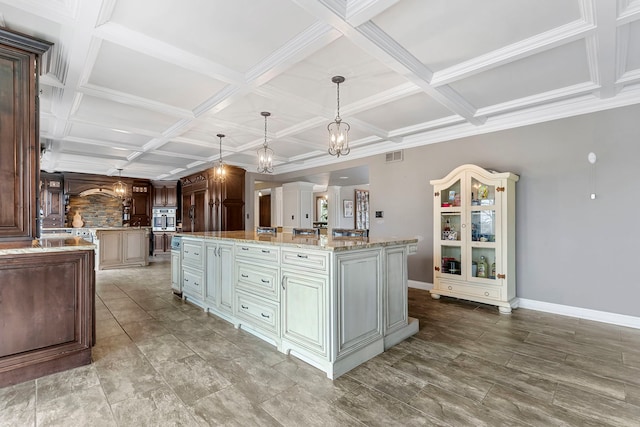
x=120 y=188
x=265 y=154
x=338 y=130
x=219 y=170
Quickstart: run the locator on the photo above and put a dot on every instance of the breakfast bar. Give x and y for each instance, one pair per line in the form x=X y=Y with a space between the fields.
x=332 y=302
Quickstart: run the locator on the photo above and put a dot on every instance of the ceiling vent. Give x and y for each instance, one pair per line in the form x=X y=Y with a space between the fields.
x=394 y=156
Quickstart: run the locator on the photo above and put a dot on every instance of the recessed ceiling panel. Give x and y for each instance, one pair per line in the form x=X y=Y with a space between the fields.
x=246 y=111
x=310 y=79
x=237 y=33
x=94 y=150
x=33 y=25
x=109 y=136
x=408 y=111
x=554 y=69
x=442 y=33
x=128 y=71
x=122 y=116
x=179 y=147
x=633 y=47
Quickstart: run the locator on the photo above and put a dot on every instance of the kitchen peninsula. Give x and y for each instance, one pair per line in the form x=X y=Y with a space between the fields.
x=47 y=292
x=332 y=302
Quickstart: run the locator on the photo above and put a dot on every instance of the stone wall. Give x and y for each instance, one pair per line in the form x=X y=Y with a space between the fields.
x=96 y=210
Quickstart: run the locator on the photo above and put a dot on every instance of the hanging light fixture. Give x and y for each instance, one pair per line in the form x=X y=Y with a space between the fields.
x=120 y=188
x=219 y=170
x=265 y=154
x=338 y=130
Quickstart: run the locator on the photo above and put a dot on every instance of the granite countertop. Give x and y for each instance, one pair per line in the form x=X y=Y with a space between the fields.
x=46 y=244
x=328 y=243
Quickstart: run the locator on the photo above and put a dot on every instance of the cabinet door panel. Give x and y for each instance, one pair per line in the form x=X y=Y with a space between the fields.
x=110 y=248
x=226 y=276
x=304 y=300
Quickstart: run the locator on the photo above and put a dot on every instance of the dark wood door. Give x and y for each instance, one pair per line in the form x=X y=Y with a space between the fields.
x=187 y=212
x=200 y=208
x=265 y=211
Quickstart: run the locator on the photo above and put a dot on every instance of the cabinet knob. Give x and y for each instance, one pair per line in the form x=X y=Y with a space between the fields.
x=450 y=287
x=486 y=294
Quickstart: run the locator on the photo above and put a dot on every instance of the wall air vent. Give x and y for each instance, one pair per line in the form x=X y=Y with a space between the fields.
x=394 y=156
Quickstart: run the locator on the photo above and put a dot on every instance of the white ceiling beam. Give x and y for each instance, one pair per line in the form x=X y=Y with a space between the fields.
x=360 y=11
x=528 y=47
x=603 y=60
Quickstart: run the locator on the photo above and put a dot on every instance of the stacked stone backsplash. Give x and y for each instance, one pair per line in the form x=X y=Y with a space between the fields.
x=97 y=210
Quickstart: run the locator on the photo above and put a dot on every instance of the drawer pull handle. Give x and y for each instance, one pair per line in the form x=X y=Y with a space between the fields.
x=303 y=256
x=196 y=253
x=264 y=251
x=244 y=306
x=264 y=315
x=486 y=294
x=186 y=280
x=186 y=251
x=245 y=275
x=265 y=281
x=244 y=249
x=450 y=288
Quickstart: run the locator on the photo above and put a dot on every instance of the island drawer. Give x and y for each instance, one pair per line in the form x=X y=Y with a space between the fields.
x=262 y=280
x=192 y=252
x=313 y=261
x=259 y=253
x=192 y=281
x=258 y=312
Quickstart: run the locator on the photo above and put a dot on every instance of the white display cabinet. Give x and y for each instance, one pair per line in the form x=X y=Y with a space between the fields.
x=474 y=236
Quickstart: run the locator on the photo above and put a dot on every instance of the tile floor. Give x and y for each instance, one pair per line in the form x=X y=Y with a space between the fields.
x=159 y=361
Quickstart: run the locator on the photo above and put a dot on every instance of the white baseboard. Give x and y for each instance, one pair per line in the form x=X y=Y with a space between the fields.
x=564 y=310
x=582 y=313
x=420 y=285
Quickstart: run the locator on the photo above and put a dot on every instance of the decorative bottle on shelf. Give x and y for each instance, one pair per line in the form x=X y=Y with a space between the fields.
x=482 y=267
x=493 y=270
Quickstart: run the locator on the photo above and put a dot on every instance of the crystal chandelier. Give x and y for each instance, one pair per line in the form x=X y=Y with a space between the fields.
x=265 y=154
x=338 y=130
x=219 y=170
x=120 y=188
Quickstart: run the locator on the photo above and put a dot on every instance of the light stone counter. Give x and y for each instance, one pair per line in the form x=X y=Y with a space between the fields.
x=327 y=243
x=56 y=243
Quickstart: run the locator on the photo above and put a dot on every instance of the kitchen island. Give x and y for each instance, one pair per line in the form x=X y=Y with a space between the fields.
x=47 y=291
x=119 y=247
x=332 y=302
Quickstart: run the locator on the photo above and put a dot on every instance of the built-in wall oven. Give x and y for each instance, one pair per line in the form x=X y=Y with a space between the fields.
x=164 y=219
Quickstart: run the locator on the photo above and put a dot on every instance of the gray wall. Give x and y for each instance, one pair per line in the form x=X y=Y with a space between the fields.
x=571 y=250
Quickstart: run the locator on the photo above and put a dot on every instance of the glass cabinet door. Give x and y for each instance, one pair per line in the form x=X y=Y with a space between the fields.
x=450 y=226
x=451 y=196
x=482 y=194
x=451 y=260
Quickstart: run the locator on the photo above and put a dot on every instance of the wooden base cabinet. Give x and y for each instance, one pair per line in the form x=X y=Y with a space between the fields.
x=119 y=248
x=46 y=313
x=161 y=242
x=474 y=236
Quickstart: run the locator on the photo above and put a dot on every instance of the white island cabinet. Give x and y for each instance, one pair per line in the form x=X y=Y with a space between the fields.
x=332 y=302
x=120 y=247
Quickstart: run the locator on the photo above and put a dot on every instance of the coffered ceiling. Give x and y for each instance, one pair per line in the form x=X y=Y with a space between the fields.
x=145 y=85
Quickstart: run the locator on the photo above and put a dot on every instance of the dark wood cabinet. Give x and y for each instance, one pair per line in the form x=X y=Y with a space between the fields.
x=46 y=313
x=161 y=242
x=165 y=193
x=140 y=204
x=211 y=206
x=19 y=141
x=52 y=208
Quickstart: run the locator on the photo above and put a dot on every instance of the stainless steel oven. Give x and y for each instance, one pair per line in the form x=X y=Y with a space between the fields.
x=164 y=219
